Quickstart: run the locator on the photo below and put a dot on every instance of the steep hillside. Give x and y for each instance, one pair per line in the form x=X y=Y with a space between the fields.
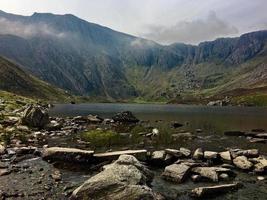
x=89 y=59
x=15 y=80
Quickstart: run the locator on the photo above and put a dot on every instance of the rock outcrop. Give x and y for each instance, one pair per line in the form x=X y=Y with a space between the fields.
x=126 y=178
x=125 y=117
x=35 y=116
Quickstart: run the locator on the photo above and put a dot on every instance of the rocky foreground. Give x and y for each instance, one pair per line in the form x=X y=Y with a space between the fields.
x=32 y=169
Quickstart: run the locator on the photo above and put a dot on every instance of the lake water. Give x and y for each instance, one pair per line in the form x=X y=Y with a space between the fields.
x=212 y=120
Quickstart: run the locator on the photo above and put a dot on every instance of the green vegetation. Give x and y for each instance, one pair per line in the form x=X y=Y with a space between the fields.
x=253 y=100
x=101 y=137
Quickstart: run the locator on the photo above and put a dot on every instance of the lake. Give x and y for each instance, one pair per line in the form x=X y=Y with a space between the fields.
x=213 y=121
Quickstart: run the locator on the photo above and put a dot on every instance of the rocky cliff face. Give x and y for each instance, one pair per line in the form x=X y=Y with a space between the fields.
x=88 y=59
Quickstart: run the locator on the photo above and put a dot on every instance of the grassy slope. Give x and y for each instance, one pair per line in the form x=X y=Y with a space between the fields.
x=15 y=80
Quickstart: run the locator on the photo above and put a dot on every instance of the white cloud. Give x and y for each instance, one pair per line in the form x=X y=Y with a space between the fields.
x=191 y=32
x=27 y=30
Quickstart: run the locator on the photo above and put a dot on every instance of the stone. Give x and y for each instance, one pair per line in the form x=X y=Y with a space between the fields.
x=251 y=153
x=126 y=178
x=94 y=119
x=260 y=178
x=67 y=154
x=35 y=116
x=260 y=164
x=139 y=154
x=54 y=126
x=23 y=128
x=224 y=176
x=226 y=156
x=234 y=133
x=209 y=191
x=125 y=117
x=56 y=175
x=198 y=154
x=158 y=157
x=242 y=163
x=185 y=152
x=195 y=178
x=258 y=140
x=174 y=152
x=210 y=155
x=181 y=153
x=4 y=172
x=211 y=173
x=176 y=124
x=262 y=135
x=2 y=149
x=176 y=172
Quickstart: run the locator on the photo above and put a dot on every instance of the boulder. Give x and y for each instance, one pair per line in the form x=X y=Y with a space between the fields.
x=242 y=162
x=176 y=172
x=211 y=173
x=67 y=154
x=35 y=116
x=126 y=178
x=201 y=192
x=125 y=117
x=198 y=154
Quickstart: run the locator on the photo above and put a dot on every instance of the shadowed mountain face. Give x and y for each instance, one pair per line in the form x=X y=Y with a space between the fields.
x=88 y=59
x=14 y=79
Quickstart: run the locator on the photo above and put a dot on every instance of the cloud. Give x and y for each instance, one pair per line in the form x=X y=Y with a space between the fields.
x=192 y=32
x=28 y=30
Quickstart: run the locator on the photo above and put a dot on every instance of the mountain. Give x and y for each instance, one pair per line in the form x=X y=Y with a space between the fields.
x=13 y=79
x=92 y=60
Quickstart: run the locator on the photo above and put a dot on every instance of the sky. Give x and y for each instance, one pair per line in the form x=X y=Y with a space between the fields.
x=164 y=21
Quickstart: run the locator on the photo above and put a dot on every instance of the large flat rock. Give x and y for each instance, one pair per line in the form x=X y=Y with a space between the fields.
x=201 y=192
x=67 y=154
x=176 y=172
x=139 y=154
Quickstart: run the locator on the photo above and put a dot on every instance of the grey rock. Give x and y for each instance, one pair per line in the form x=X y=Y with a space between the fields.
x=67 y=154
x=176 y=172
x=35 y=116
x=126 y=178
x=226 y=156
x=125 y=117
x=211 y=173
x=243 y=163
x=198 y=154
x=201 y=192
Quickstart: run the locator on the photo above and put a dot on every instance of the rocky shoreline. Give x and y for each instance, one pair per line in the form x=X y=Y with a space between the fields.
x=30 y=168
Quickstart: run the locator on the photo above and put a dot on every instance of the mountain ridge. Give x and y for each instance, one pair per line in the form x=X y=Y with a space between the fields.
x=88 y=59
